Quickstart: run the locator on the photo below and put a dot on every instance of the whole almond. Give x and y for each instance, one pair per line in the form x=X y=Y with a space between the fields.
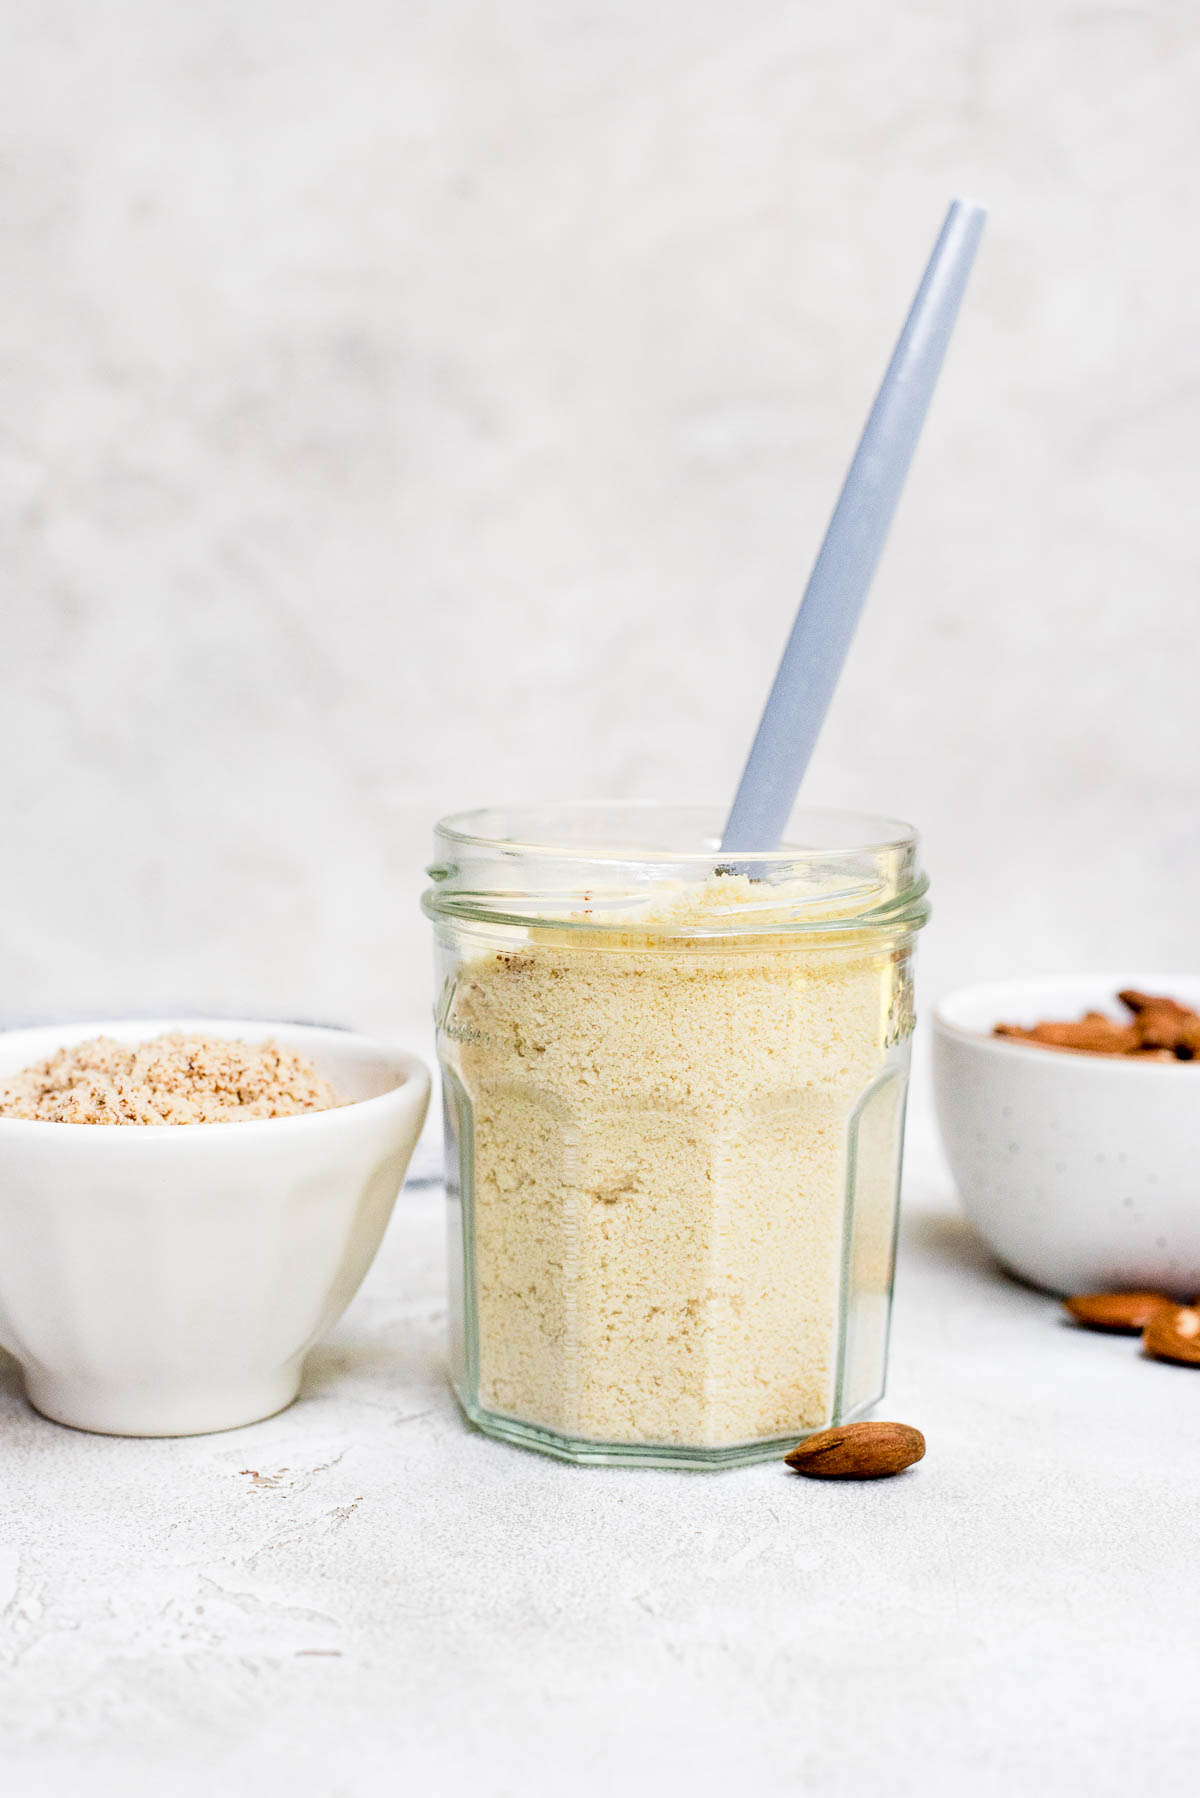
x=1173 y=1334
x=857 y=1451
x=1126 y=1313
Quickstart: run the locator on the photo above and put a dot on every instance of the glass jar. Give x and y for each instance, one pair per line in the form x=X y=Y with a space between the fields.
x=674 y=1096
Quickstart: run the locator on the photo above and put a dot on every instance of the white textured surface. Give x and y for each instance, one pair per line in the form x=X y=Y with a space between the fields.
x=416 y=403
x=361 y=1597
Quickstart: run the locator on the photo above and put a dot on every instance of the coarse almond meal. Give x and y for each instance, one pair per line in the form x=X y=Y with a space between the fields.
x=172 y=1079
x=660 y=1136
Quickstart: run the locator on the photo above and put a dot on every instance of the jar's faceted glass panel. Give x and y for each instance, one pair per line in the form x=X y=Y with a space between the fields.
x=872 y=1191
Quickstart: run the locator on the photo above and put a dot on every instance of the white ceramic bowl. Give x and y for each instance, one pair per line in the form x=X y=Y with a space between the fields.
x=166 y=1280
x=1080 y=1172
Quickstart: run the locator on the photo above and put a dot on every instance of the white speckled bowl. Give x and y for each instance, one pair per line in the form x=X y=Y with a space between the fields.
x=167 y=1280
x=1080 y=1172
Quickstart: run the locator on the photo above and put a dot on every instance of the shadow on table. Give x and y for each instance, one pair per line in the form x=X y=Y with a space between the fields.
x=11 y=1383
x=415 y=1369
x=409 y=1381
x=947 y=1237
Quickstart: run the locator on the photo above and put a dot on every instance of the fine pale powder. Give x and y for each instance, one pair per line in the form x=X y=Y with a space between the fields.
x=664 y=1135
x=173 y=1079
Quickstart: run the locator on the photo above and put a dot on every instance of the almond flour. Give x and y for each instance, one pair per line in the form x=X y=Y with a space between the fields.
x=662 y=1136
x=173 y=1079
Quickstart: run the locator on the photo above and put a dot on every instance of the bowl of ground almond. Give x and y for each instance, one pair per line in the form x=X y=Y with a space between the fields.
x=1069 y=1109
x=186 y=1206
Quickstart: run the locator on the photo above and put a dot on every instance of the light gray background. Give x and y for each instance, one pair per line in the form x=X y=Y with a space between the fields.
x=406 y=406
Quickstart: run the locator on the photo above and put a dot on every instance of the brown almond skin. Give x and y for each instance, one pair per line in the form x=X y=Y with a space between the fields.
x=1163 y=1023
x=1173 y=1334
x=1122 y=1313
x=857 y=1451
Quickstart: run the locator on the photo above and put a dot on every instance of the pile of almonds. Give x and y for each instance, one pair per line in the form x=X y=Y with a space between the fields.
x=1169 y=1331
x=1160 y=1029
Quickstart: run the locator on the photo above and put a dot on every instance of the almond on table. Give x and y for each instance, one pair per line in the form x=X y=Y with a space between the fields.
x=1120 y=1313
x=1173 y=1334
x=858 y=1451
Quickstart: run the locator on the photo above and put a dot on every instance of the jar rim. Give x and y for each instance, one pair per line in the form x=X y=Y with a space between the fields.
x=593 y=868
x=517 y=830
